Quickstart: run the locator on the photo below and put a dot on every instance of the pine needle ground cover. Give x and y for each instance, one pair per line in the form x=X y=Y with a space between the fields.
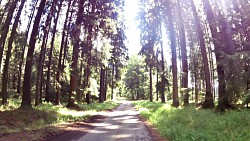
x=13 y=119
x=188 y=124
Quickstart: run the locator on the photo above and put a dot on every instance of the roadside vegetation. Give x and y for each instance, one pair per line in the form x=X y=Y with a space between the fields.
x=13 y=119
x=189 y=123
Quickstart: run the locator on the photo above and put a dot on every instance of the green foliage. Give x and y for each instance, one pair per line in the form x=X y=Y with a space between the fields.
x=136 y=80
x=247 y=99
x=187 y=124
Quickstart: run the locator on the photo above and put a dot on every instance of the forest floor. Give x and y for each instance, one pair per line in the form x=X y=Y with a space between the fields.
x=121 y=123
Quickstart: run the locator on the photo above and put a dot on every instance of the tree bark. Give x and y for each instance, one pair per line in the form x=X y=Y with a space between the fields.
x=208 y=103
x=8 y=55
x=59 y=67
x=102 y=85
x=150 y=85
x=174 y=58
x=223 y=97
x=5 y=28
x=40 y=67
x=112 y=81
x=163 y=71
x=47 y=98
x=23 y=49
x=76 y=43
x=184 y=82
x=26 y=97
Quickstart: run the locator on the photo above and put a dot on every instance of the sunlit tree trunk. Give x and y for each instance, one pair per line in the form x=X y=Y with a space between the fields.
x=102 y=85
x=51 y=49
x=79 y=85
x=184 y=82
x=112 y=81
x=39 y=84
x=174 y=58
x=8 y=54
x=20 y=70
x=3 y=12
x=76 y=43
x=26 y=98
x=106 y=84
x=208 y=103
x=150 y=85
x=5 y=28
x=59 y=67
x=223 y=97
x=163 y=69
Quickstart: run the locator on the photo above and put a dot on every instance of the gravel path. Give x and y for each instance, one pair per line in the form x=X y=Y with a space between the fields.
x=122 y=124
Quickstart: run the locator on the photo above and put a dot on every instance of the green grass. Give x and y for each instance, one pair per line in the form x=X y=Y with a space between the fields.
x=13 y=119
x=188 y=124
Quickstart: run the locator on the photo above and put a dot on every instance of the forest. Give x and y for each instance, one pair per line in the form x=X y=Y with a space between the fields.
x=73 y=55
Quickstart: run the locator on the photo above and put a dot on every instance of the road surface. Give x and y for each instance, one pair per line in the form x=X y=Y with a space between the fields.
x=122 y=124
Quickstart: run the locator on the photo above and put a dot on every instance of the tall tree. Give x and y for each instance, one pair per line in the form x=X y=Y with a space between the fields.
x=51 y=48
x=62 y=46
x=5 y=28
x=173 y=51
x=20 y=65
x=184 y=79
x=26 y=97
x=223 y=97
x=76 y=44
x=208 y=103
x=8 y=54
x=39 y=84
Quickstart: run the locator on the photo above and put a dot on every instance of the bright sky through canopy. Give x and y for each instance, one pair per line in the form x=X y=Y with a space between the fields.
x=132 y=32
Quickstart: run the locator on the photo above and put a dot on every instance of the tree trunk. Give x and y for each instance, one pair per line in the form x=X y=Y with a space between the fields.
x=184 y=82
x=59 y=67
x=163 y=71
x=102 y=85
x=223 y=97
x=8 y=55
x=174 y=58
x=112 y=82
x=23 y=49
x=6 y=6
x=47 y=97
x=42 y=58
x=76 y=43
x=150 y=85
x=157 y=81
x=26 y=98
x=78 y=93
x=5 y=28
x=208 y=103
x=106 y=84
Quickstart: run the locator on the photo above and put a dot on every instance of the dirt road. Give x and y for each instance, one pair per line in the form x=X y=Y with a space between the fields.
x=122 y=124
